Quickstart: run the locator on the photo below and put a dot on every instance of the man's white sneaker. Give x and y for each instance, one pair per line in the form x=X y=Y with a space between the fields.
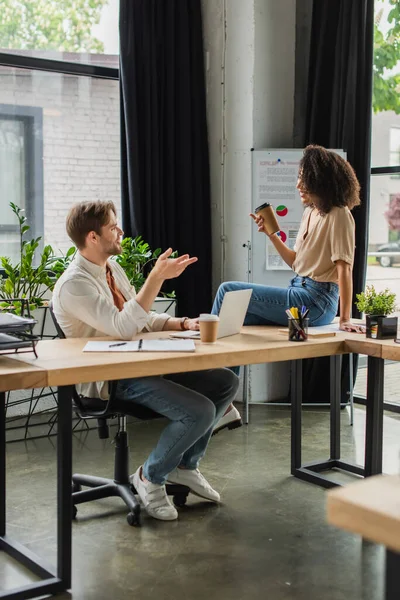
x=231 y=420
x=195 y=481
x=154 y=498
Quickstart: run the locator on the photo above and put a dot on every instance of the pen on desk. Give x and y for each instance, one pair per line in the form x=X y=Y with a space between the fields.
x=140 y=344
x=117 y=344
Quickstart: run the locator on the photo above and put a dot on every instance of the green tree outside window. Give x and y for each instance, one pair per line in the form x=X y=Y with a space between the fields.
x=59 y=25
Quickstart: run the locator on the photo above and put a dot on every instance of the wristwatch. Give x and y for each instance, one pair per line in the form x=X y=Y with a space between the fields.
x=183 y=320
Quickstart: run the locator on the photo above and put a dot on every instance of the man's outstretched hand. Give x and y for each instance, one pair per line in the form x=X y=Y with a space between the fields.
x=169 y=268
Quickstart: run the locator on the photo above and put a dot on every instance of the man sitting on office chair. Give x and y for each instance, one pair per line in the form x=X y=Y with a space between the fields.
x=94 y=298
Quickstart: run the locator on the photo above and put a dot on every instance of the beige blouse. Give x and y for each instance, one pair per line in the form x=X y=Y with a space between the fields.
x=322 y=241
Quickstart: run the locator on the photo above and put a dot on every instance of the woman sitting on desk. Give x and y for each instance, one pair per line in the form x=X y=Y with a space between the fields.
x=322 y=258
x=323 y=255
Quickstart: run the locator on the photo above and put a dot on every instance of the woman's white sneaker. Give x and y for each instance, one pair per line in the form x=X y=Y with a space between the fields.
x=196 y=482
x=231 y=420
x=154 y=498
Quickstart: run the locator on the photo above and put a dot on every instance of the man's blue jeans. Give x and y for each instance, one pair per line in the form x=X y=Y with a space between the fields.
x=193 y=402
x=268 y=304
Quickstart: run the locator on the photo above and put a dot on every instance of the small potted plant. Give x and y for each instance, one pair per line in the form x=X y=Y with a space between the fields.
x=377 y=306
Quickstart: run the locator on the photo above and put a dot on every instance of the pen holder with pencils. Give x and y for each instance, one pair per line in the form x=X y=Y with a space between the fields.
x=298 y=329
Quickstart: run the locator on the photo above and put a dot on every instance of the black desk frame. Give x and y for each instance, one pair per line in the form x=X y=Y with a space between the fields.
x=311 y=472
x=52 y=581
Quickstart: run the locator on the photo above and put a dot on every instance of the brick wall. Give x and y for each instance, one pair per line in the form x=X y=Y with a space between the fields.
x=80 y=140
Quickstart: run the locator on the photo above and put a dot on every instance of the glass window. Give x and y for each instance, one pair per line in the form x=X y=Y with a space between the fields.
x=59 y=144
x=394 y=158
x=12 y=161
x=84 y=31
x=21 y=172
x=385 y=149
x=383 y=266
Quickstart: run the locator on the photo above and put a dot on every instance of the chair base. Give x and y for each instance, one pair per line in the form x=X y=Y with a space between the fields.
x=101 y=487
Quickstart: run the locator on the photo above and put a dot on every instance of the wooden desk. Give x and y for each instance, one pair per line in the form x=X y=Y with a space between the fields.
x=62 y=363
x=390 y=350
x=371 y=508
x=16 y=375
x=66 y=364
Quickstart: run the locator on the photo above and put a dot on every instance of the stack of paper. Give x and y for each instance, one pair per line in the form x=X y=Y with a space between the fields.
x=10 y=322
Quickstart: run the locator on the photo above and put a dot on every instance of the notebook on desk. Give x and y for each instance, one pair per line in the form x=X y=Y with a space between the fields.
x=143 y=345
x=313 y=334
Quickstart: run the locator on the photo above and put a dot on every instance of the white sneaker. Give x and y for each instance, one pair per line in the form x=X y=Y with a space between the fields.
x=195 y=481
x=154 y=498
x=231 y=420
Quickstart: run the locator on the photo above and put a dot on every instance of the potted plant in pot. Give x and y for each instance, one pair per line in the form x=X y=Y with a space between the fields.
x=377 y=306
x=27 y=281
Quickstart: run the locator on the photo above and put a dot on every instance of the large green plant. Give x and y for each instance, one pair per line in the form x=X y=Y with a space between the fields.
x=137 y=259
x=376 y=303
x=25 y=279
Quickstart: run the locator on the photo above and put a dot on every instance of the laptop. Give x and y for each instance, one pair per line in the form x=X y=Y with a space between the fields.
x=231 y=317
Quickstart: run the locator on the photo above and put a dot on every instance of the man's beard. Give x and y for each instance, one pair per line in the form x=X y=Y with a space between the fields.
x=114 y=249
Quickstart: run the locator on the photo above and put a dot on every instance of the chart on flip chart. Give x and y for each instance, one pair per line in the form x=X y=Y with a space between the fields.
x=275 y=173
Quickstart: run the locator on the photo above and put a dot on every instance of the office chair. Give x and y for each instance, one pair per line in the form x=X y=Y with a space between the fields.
x=100 y=487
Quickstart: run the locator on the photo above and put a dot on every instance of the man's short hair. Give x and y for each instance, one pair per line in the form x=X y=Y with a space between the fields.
x=88 y=216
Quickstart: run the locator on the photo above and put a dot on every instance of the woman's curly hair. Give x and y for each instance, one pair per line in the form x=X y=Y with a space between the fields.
x=330 y=178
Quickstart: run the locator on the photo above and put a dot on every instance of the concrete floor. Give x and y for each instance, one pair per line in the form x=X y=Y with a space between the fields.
x=268 y=540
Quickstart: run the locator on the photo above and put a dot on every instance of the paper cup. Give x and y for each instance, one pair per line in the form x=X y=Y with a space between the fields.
x=208 y=328
x=267 y=212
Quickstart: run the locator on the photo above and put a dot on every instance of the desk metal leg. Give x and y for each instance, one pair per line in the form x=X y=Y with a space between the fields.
x=2 y=464
x=312 y=472
x=374 y=417
x=296 y=390
x=351 y=389
x=335 y=373
x=64 y=483
x=246 y=393
x=392 y=575
x=49 y=582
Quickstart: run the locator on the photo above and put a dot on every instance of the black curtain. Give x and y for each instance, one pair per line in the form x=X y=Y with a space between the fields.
x=339 y=109
x=164 y=146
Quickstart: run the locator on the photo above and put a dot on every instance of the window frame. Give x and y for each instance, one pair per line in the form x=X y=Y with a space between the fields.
x=32 y=118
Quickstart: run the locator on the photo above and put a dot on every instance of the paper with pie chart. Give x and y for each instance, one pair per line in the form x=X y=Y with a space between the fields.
x=275 y=177
x=288 y=235
x=275 y=174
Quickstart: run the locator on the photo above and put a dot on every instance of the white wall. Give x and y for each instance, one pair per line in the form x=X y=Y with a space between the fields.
x=258 y=86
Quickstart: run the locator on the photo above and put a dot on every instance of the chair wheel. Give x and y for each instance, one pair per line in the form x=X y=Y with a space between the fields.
x=180 y=500
x=74 y=512
x=133 y=519
x=76 y=487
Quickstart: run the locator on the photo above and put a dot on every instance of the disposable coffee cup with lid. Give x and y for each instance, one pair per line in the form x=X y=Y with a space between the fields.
x=267 y=212
x=208 y=328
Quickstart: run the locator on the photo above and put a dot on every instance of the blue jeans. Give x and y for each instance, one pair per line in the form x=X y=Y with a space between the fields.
x=268 y=304
x=193 y=402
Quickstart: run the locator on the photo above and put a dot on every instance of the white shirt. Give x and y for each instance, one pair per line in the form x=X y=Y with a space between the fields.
x=84 y=307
